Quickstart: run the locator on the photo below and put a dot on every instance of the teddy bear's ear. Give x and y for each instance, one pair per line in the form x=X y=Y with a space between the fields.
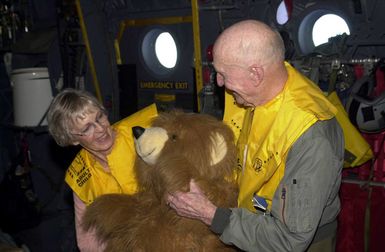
x=218 y=148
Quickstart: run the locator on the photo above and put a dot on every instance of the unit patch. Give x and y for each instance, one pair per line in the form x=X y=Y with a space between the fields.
x=257 y=164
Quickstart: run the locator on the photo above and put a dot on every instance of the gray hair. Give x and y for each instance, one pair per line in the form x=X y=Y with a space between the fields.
x=65 y=108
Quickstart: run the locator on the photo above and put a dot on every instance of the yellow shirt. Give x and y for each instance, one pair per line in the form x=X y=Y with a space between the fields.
x=86 y=176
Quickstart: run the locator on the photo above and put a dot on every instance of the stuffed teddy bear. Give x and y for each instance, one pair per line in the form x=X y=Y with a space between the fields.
x=176 y=148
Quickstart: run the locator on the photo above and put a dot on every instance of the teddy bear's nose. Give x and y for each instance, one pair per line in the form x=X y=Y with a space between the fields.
x=137 y=131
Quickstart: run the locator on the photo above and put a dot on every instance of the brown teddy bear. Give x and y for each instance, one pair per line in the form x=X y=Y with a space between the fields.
x=177 y=147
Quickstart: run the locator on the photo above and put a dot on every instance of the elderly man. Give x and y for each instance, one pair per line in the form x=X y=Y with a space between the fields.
x=290 y=150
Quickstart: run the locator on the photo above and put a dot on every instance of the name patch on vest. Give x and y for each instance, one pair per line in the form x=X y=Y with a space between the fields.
x=82 y=175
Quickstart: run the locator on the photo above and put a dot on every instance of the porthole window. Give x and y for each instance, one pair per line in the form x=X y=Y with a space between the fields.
x=282 y=14
x=159 y=51
x=328 y=26
x=318 y=26
x=165 y=50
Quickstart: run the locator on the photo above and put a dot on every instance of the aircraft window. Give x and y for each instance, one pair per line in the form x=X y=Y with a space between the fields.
x=318 y=26
x=282 y=15
x=159 y=51
x=328 y=26
x=165 y=50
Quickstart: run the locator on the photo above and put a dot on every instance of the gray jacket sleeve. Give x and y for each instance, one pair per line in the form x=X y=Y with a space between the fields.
x=305 y=200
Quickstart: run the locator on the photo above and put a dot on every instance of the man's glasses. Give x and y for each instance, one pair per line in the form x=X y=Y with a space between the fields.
x=89 y=130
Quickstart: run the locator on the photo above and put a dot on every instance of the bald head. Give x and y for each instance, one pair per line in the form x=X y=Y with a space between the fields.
x=249 y=42
x=249 y=61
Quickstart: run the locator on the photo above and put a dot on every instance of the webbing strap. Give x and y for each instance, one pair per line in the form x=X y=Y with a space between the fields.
x=243 y=137
x=367 y=209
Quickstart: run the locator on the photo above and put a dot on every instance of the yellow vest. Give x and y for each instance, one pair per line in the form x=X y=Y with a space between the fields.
x=86 y=176
x=275 y=127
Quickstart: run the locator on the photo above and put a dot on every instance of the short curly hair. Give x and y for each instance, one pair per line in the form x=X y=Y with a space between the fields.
x=68 y=105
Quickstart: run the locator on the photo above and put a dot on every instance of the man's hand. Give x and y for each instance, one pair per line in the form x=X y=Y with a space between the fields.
x=193 y=204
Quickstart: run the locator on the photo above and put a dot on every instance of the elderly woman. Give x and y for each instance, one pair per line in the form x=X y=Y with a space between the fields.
x=105 y=162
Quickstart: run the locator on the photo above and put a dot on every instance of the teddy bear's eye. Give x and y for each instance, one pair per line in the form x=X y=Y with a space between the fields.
x=173 y=137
